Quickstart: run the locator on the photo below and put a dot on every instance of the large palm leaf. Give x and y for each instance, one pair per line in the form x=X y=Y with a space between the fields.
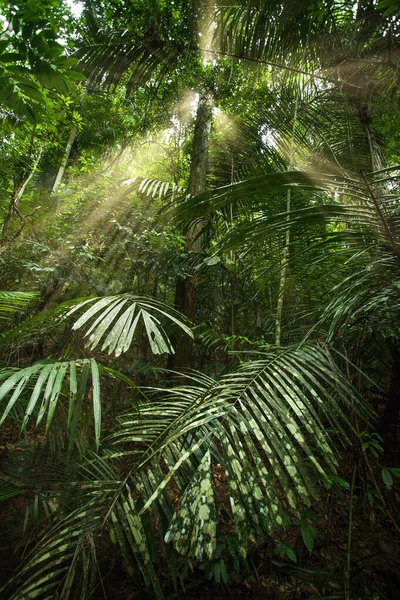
x=45 y=383
x=342 y=220
x=266 y=31
x=131 y=51
x=262 y=430
x=331 y=43
x=117 y=318
x=366 y=204
x=114 y=319
x=118 y=57
x=119 y=325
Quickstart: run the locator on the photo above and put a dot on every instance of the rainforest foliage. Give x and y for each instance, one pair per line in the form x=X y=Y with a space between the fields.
x=199 y=297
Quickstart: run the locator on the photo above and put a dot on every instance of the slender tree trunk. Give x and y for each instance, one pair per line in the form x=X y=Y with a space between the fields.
x=285 y=253
x=199 y=162
x=66 y=155
x=13 y=208
x=185 y=291
x=282 y=280
x=364 y=116
x=233 y=269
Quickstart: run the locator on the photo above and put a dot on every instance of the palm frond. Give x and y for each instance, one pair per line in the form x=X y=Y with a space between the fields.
x=328 y=42
x=154 y=188
x=263 y=425
x=13 y=302
x=264 y=31
x=54 y=560
x=111 y=56
x=116 y=325
x=118 y=318
x=368 y=299
x=45 y=383
x=254 y=189
x=345 y=213
x=262 y=430
x=65 y=554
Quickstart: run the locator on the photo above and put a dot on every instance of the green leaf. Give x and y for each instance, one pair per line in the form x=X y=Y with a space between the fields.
x=285 y=551
x=76 y=76
x=308 y=534
x=213 y=260
x=119 y=326
x=96 y=401
x=335 y=480
x=387 y=478
x=193 y=526
x=11 y=302
x=47 y=379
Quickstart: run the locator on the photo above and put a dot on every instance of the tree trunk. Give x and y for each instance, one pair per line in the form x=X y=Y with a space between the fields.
x=285 y=253
x=17 y=193
x=63 y=164
x=199 y=160
x=185 y=291
x=374 y=147
x=282 y=280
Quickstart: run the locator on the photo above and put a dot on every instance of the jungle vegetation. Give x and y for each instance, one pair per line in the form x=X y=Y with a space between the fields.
x=200 y=294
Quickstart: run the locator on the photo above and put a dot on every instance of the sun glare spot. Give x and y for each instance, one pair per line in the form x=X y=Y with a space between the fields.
x=75 y=7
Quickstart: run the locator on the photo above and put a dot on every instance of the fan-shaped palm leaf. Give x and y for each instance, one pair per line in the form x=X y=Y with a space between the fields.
x=50 y=378
x=117 y=320
x=117 y=325
x=154 y=188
